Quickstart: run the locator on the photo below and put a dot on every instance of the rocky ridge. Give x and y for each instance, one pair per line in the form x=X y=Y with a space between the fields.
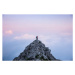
x=36 y=51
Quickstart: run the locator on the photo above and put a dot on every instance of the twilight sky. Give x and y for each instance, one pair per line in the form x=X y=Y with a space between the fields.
x=55 y=31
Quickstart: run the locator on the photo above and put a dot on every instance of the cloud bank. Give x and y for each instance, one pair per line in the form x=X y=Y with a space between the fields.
x=49 y=40
x=25 y=36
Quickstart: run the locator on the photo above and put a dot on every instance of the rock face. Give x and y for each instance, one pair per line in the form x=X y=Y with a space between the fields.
x=36 y=51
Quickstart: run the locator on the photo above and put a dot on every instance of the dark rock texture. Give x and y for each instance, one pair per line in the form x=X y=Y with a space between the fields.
x=36 y=51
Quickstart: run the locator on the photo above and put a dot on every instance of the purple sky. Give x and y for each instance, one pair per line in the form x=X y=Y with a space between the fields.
x=55 y=31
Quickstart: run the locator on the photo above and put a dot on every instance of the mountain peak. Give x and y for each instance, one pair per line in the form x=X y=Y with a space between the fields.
x=35 y=51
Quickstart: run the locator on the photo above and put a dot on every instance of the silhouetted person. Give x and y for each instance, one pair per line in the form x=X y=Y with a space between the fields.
x=36 y=37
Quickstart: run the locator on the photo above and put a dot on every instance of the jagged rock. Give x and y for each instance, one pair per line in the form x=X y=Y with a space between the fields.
x=36 y=51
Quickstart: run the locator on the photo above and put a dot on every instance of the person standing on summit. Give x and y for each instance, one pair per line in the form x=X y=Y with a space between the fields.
x=36 y=37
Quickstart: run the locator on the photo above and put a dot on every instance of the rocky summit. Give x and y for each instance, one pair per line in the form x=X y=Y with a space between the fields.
x=36 y=51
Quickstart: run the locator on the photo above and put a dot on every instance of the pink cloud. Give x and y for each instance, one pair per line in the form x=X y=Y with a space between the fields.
x=8 y=32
